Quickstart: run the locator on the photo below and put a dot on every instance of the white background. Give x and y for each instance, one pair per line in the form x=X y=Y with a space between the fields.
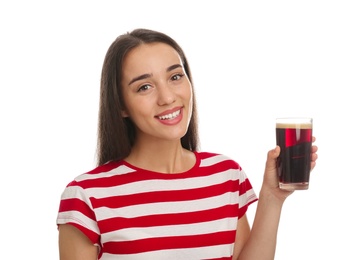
x=252 y=61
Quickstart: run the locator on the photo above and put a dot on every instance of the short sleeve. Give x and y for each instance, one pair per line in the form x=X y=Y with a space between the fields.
x=76 y=209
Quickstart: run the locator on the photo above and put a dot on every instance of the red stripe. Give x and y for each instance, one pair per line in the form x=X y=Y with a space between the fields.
x=112 y=224
x=166 y=196
x=129 y=177
x=106 y=167
x=76 y=205
x=243 y=209
x=245 y=186
x=177 y=242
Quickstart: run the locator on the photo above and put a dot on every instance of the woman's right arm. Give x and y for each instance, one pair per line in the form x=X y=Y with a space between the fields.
x=74 y=245
x=261 y=242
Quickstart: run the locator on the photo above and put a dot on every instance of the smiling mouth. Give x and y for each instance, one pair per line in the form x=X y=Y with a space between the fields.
x=170 y=116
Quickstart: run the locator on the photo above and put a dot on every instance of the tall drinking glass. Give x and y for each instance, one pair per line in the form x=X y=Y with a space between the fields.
x=294 y=136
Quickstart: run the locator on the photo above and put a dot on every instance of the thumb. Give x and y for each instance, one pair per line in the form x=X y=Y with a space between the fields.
x=271 y=159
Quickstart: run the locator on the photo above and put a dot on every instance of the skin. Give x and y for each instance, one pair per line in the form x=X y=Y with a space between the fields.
x=261 y=243
x=73 y=244
x=153 y=76
x=154 y=84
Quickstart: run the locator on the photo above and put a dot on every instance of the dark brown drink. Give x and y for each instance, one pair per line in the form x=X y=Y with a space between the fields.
x=294 y=160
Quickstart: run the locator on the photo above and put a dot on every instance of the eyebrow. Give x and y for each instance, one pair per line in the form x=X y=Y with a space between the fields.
x=148 y=75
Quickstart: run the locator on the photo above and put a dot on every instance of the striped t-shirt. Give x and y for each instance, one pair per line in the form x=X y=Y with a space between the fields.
x=132 y=213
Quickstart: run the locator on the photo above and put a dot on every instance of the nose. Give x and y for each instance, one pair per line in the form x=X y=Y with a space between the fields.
x=166 y=95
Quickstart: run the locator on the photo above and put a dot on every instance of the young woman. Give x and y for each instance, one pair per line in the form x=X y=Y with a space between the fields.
x=153 y=195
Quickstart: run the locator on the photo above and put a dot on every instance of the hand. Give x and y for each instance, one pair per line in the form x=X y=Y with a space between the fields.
x=314 y=155
x=271 y=182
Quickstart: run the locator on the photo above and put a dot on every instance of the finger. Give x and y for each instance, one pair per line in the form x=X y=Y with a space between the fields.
x=312 y=165
x=313 y=158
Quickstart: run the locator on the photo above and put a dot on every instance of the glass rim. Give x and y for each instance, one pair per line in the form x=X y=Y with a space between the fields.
x=282 y=121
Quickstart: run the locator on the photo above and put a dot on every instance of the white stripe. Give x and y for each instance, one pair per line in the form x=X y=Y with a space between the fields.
x=72 y=192
x=164 y=185
x=213 y=160
x=177 y=254
x=248 y=196
x=78 y=218
x=228 y=224
x=169 y=207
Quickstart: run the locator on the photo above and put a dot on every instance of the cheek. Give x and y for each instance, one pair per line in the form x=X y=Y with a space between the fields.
x=137 y=108
x=186 y=93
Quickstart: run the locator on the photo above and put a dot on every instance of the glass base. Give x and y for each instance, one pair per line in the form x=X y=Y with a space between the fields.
x=294 y=186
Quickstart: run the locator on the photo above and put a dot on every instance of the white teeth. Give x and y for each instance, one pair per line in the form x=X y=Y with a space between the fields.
x=170 y=116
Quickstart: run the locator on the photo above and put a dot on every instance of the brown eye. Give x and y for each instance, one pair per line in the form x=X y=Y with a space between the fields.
x=144 y=88
x=177 y=77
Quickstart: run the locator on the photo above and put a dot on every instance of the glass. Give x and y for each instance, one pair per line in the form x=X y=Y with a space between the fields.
x=294 y=136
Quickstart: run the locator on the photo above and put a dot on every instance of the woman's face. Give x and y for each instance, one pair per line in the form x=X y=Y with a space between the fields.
x=157 y=92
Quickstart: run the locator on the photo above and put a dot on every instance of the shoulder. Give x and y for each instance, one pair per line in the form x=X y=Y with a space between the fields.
x=100 y=174
x=212 y=158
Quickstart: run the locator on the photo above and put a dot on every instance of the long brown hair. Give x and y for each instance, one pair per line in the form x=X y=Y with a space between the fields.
x=116 y=134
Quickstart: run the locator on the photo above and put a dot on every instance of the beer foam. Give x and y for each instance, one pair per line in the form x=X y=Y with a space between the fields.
x=295 y=125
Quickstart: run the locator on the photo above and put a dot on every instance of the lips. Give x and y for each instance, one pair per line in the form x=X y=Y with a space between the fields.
x=170 y=115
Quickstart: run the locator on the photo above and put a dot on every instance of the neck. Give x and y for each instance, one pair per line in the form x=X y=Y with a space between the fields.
x=161 y=156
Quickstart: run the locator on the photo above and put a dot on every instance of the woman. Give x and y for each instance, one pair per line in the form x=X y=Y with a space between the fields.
x=153 y=195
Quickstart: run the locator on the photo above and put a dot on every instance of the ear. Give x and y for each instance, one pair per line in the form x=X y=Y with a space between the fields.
x=124 y=113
